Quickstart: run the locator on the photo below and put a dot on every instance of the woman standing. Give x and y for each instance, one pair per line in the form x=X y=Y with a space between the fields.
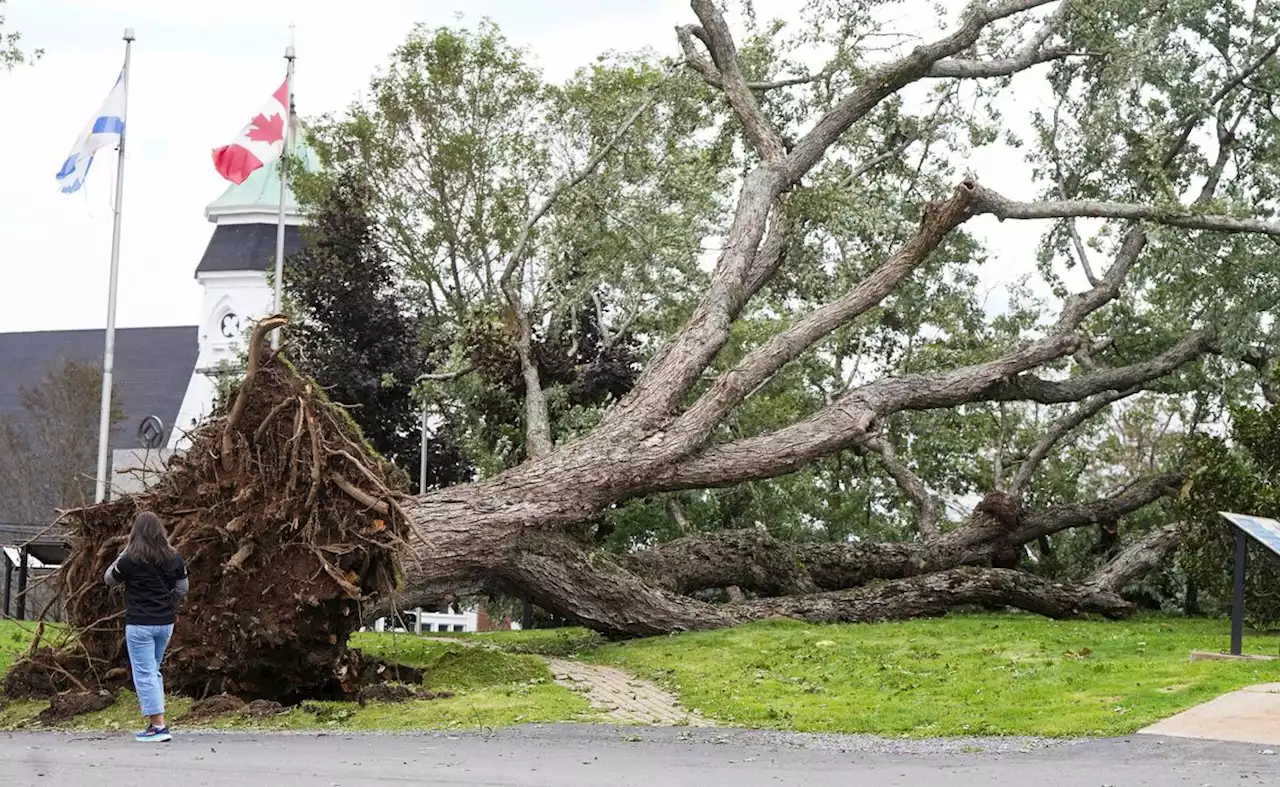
x=155 y=580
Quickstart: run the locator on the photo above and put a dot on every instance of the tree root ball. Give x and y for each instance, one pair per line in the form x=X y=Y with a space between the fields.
x=288 y=524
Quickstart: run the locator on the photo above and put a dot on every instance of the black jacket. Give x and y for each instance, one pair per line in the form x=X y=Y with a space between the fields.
x=151 y=593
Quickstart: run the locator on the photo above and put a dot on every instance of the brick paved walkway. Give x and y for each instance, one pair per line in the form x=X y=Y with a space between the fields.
x=617 y=695
x=622 y=697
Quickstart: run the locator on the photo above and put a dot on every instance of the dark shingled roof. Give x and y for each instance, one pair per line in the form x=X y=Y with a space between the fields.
x=246 y=247
x=152 y=369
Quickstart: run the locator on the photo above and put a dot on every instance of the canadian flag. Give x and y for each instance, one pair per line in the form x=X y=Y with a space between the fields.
x=259 y=143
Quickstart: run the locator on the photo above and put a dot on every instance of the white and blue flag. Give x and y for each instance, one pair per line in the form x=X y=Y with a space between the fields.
x=105 y=129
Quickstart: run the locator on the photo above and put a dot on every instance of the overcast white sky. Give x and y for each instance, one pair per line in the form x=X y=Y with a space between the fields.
x=199 y=71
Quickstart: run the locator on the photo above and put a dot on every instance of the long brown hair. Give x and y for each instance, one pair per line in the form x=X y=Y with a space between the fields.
x=149 y=542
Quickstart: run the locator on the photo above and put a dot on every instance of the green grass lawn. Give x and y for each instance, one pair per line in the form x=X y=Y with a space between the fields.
x=491 y=689
x=956 y=676
x=13 y=642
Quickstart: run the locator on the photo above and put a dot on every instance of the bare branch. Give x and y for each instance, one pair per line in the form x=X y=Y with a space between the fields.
x=715 y=34
x=744 y=266
x=670 y=375
x=1028 y=387
x=939 y=219
x=1137 y=495
x=876 y=161
x=707 y=70
x=888 y=79
x=990 y=202
x=1193 y=120
x=851 y=418
x=910 y=483
x=1031 y=54
x=1057 y=431
x=437 y=376
x=985 y=69
x=676 y=512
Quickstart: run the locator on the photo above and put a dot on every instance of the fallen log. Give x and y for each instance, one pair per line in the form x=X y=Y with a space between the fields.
x=993 y=536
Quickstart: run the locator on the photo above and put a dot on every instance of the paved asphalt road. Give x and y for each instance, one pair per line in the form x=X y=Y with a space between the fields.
x=579 y=756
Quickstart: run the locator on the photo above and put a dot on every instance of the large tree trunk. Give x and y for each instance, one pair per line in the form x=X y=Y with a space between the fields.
x=469 y=542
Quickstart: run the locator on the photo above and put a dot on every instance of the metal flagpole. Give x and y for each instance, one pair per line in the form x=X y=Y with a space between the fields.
x=109 y=351
x=284 y=187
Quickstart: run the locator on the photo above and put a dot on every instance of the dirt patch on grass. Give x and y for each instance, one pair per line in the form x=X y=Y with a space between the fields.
x=374 y=672
x=399 y=692
x=213 y=707
x=75 y=703
x=261 y=709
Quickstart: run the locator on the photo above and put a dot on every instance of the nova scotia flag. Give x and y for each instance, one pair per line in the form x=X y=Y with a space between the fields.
x=105 y=129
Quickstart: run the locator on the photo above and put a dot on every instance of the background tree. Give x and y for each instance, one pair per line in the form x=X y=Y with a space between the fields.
x=10 y=52
x=363 y=339
x=547 y=228
x=48 y=453
x=1236 y=473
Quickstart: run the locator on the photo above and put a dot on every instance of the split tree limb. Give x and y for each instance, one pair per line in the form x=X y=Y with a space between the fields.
x=256 y=341
x=1138 y=559
x=1057 y=431
x=1135 y=496
x=911 y=484
x=763 y=362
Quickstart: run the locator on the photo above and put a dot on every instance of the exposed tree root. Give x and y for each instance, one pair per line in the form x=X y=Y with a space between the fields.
x=280 y=564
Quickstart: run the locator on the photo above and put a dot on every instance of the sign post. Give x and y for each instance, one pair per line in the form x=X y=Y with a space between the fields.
x=1267 y=533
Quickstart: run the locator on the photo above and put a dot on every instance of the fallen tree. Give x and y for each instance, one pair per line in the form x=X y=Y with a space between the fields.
x=514 y=533
x=518 y=532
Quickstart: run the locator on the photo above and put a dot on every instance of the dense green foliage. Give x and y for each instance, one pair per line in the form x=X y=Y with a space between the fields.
x=460 y=138
x=1240 y=475
x=362 y=337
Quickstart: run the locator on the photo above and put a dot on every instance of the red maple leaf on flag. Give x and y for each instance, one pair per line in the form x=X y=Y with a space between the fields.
x=264 y=129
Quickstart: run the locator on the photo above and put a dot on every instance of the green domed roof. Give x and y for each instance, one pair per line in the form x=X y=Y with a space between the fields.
x=260 y=192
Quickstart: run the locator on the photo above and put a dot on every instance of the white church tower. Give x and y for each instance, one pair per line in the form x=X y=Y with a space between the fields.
x=234 y=278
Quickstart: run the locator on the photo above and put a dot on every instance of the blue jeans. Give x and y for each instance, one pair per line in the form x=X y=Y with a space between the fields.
x=146 y=652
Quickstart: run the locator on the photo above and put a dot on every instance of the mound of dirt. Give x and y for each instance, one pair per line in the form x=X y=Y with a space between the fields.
x=287 y=522
x=373 y=671
x=387 y=692
x=213 y=707
x=75 y=703
x=259 y=709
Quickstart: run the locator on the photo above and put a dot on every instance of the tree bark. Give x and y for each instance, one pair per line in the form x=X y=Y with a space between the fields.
x=470 y=543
